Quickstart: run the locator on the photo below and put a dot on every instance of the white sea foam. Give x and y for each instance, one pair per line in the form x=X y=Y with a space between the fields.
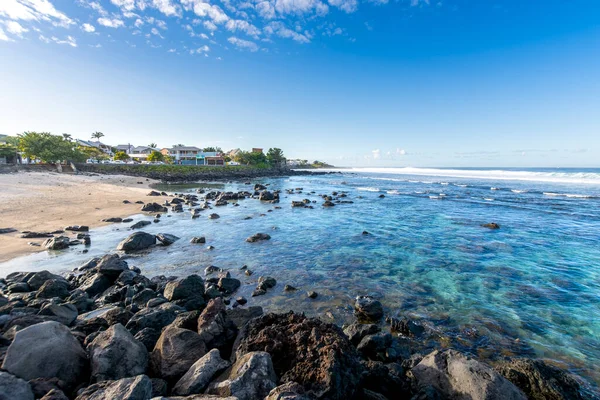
x=393 y=192
x=577 y=196
x=518 y=191
x=558 y=176
x=488 y=199
x=367 y=189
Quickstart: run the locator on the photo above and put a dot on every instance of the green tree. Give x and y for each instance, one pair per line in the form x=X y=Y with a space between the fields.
x=153 y=145
x=156 y=156
x=48 y=148
x=275 y=156
x=97 y=135
x=212 y=150
x=7 y=150
x=179 y=145
x=93 y=152
x=250 y=158
x=121 y=155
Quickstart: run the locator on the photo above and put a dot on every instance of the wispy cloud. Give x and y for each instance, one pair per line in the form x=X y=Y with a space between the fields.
x=70 y=40
x=243 y=44
x=111 y=22
x=34 y=10
x=88 y=28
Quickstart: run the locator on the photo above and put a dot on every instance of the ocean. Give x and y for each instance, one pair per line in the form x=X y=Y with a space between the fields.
x=530 y=288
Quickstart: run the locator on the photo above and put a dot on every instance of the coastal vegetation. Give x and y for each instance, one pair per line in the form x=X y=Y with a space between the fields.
x=121 y=156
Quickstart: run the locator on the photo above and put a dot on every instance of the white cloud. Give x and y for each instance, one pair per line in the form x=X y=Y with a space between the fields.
x=138 y=23
x=301 y=7
x=34 y=10
x=210 y=25
x=400 y=152
x=88 y=28
x=203 y=35
x=94 y=5
x=172 y=51
x=202 y=9
x=348 y=6
x=70 y=40
x=111 y=23
x=266 y=10
x=238 y=24
x=284 y=32
x=167 y=7
x=15 y=28
x=200 y=50
x=161 y=24
x=3 y=36
x=126 y=5
x=243 y=44
x=155 y=31
x=376 y=154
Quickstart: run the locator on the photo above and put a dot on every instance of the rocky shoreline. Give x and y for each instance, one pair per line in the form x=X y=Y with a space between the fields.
x=106 y=331
x=192 y=173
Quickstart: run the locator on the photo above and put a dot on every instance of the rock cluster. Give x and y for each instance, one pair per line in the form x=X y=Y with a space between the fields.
x=108 y=332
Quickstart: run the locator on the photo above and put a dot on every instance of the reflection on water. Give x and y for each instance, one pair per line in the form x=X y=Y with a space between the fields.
x=530 y=288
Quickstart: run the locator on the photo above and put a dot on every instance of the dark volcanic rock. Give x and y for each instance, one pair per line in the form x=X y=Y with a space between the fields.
x=166 y=238
x=77 y=228
x=137 y=241
x=155 y=318
x=175 y=352
x=140 y=224
x=46 y=350
x=356 y=331
x=197 y=378
x=305 y=350
x=154 y=207
x=57 y=243
x=53 y=288
x=540 y=381
x=136 y=388
x=185 y=288
x=112 y=266
x=13 y=388
x=491 y=225
x=198 y=239
x=257 y=237
x=368 y=309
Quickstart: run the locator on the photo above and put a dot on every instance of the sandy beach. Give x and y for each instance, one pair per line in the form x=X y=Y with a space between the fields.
x=47 y=201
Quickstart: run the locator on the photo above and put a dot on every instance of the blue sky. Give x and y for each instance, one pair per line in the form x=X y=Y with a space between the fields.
x=371 y=82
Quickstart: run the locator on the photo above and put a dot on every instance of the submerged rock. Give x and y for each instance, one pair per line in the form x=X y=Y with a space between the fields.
x=491 y=225
x=455 y=376
x=166 y=239
x=368 y=309
x=57 y=243
x=258 y=237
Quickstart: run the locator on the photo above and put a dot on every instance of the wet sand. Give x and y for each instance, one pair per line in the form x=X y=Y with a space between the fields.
x=48 y=201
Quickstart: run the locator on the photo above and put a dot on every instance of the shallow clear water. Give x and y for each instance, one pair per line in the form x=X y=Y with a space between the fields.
x=530 y=288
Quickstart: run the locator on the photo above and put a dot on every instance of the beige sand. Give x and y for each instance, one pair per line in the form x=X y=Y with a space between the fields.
x=46 y=201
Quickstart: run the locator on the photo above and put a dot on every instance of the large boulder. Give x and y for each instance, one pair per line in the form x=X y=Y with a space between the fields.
x=175 y=352
x=305 y=350
x=115 y=354
x=155 y=318
x=137 y=241
x=111 y=266
x=258 y=237
x=288 y=391
x=200 y=374
x=57 y=243
x=46 y=350
x=166 y=238
x=251 y=377
x=540 y=381
x=37 y=279
x=456 y=376
x=214 y=328
x=181 y=289
x=13 y=388
x=63 y=313
x=53 y=288
x=95 y=284
x=368 y=309
x=136 y=388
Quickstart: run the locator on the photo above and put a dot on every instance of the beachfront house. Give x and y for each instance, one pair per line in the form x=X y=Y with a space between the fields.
x=183 y=154
x=209 y=158
x=141 y=153
x=99 y=145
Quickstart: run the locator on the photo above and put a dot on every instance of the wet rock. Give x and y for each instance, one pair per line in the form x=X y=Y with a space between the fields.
x=540 y=381
x=63 y=313
x=405 y=327
x=211 y=269
x=456 y=376
x=258 y=237
x=312 y=295
x=356 y=331
x=184 y=288
x=136 y=388
x=137 y=241
x=115 y=354
x=111 y=265
x=251 y=377
x=288 y=391
x=36 y=235
x=175 y=352
x=53 y=288
x=266 y=196
x=143 y=297
x=140 y=224
x=328 y=204
x=57 y=243
x=7 y=230
x=266 y=282
x=373 y=347
x=241 y=300
x=113 y=219
x=46 y=350
x=259 y=187
x=77 y=228
x=154 y=207
x=315 y=354
x=200 y=374
x=388 y=380
x=198 y=239
x=228 y=285
x=289 y=288
x=153 y=193
x=491 y=225
x=214 y=216
x=166 y=239
x=368 y=309
x=13 y=388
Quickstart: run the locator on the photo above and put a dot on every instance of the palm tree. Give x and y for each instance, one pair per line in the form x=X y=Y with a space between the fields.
x=153 y=145
x=97 y=135
x=67 y=137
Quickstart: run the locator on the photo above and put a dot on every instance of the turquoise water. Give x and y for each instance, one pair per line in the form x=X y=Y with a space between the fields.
x=530 y=288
